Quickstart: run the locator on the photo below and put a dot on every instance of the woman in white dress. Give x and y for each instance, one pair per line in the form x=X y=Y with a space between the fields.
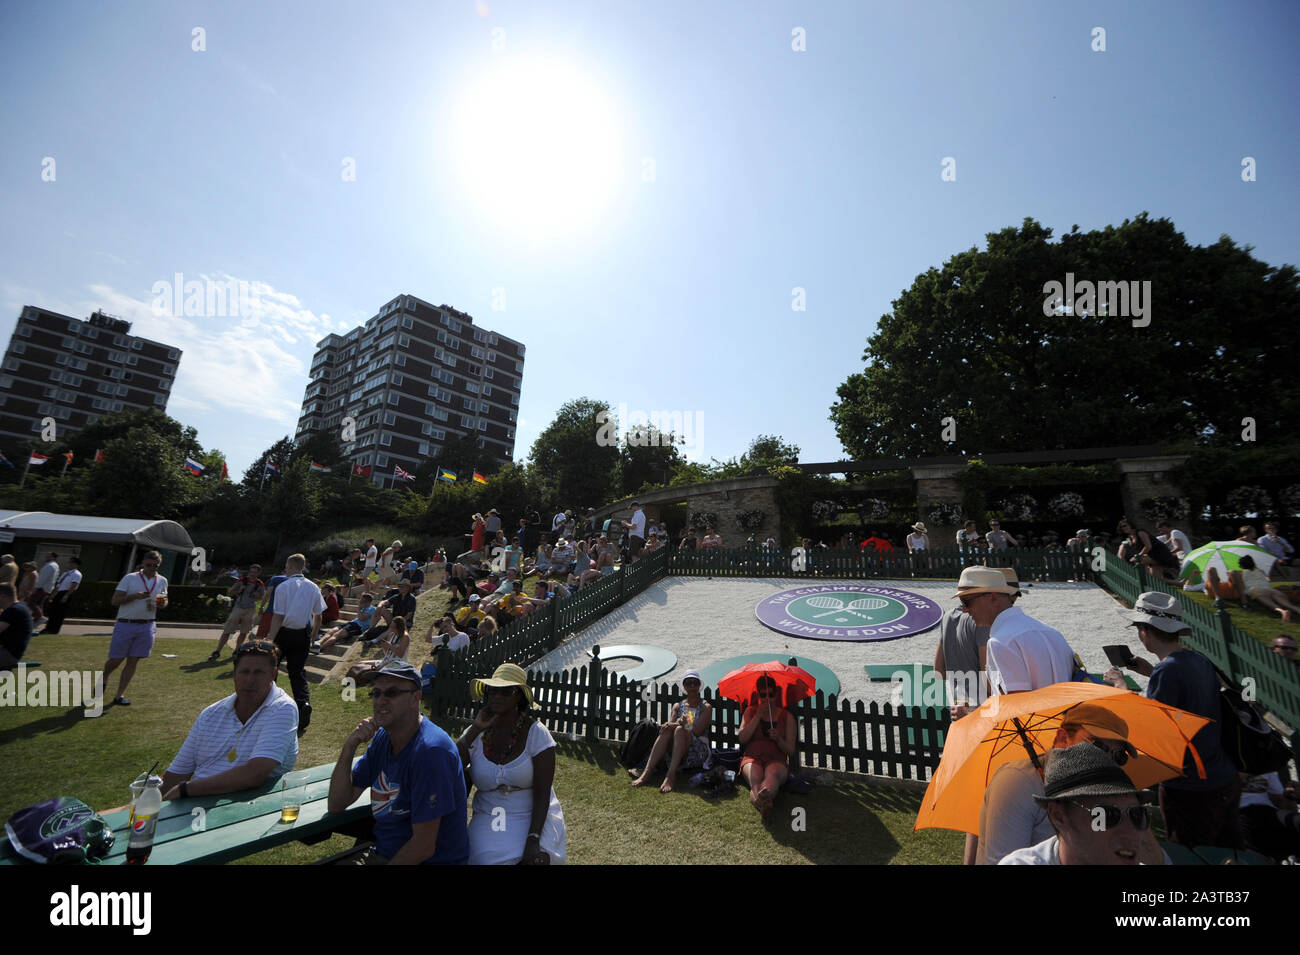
x=510 y=760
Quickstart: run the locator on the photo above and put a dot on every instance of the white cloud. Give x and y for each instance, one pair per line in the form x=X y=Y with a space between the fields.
x=252 y=365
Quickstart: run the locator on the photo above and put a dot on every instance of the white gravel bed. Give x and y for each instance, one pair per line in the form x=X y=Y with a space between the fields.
x=704 y=621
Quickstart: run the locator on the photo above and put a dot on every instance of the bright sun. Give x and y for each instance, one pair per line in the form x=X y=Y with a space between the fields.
x=537 y=147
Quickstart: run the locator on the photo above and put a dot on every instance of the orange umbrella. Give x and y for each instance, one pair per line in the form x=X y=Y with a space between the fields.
x=1008 y=728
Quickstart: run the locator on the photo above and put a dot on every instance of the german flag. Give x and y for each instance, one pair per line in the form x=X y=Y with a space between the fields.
x=479 y=479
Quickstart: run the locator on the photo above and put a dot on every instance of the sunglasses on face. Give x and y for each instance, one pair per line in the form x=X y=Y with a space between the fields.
x=690 y=682
x=500 y=691
x=1139 y=816
x=389 y=694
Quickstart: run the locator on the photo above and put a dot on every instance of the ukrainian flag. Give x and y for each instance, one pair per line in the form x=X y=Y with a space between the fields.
x=444 y=475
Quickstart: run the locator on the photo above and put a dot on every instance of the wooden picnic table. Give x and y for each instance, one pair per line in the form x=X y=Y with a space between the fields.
x=230 y=826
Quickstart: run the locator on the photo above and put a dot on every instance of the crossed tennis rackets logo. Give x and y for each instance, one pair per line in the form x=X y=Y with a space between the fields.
x=834 y=605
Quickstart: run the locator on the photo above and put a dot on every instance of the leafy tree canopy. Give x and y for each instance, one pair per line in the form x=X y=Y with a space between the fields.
x=971 y=342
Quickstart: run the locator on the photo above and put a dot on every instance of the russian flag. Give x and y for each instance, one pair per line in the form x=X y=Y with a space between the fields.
x=194 y=467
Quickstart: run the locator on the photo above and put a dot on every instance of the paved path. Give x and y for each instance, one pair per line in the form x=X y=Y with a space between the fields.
x=104 y=628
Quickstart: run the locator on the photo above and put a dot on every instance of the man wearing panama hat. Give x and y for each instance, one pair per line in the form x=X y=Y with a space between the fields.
x=1023 y=653
x=1198 y=811
x=1094 y=808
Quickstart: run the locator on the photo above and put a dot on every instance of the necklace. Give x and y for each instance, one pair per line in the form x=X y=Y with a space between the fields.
x=497 y=754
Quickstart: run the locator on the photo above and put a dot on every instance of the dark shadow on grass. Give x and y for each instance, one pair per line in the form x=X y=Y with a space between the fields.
x=597 y=754
x=206 y=664
x=839 y=824
x=50 y=724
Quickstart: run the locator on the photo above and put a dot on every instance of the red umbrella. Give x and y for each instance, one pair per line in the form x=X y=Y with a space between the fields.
x=795 y=683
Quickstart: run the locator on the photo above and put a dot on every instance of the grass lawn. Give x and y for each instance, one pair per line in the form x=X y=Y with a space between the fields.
x=61 y=752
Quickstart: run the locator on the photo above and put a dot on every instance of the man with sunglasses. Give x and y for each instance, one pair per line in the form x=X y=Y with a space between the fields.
x=1023 y=653
x=1011 y=819
x=416 y=780
x=1094 y=809
x=242 y=741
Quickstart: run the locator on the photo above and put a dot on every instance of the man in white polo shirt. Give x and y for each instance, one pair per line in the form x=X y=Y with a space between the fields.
x=137 y=599
x=1023 y=654
x=242 y=741
x=295 y=621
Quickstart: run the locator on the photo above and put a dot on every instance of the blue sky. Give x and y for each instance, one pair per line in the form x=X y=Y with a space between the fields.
x=642 y=236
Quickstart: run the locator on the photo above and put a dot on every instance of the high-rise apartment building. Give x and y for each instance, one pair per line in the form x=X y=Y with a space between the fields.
x=76 y=371
x=413 y=378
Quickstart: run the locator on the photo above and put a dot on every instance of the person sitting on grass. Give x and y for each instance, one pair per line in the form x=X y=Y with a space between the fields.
x=394 y=645
x=448 y=635
x=353 y=628
x=767 y=740
x=687 y=732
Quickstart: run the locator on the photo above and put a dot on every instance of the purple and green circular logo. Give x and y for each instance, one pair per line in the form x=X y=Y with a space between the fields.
x=848 y=612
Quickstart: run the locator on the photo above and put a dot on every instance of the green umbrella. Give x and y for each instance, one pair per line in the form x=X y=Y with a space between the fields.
x=1224 y=556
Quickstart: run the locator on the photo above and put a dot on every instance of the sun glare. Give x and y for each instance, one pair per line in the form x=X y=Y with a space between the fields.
x=537 y=147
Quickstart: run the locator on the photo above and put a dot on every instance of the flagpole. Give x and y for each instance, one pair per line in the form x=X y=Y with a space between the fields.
x=437 y=469
x=66 y=461
x=263 y=481
x=26 y=469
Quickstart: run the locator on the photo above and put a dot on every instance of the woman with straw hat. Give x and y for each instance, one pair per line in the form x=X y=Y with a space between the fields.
x=510 y=759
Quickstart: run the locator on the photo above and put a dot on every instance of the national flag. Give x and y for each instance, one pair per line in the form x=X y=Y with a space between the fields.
x=444 y=475
x=321 y=468
x=400 y=475
x=99 y=457
x=479 y=479
x=194 y=467
x=225 y=472
x=5 y=462
x=360 y=471
x=272 y=468
x=67 y=456
x=36 y=459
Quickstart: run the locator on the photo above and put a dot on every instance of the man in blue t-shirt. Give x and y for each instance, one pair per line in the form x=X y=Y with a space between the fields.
x=416 y=780
x=1198 y=812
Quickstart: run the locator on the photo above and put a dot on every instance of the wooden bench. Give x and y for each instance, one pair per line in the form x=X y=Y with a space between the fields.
x=230 y=826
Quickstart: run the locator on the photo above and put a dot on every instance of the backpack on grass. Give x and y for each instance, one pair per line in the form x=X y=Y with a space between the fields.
x=639 y=743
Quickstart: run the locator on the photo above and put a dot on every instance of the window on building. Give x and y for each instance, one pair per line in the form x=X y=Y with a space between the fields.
x=467 y=422
x=482 y=424
x=385 y=438
x=381 y=461
x=390 y=418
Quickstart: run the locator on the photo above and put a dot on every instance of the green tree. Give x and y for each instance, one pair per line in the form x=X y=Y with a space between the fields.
x=769 y=451
x=970 y=342
x=142 y=476
x=291 y=505
x=577 y=455
x=647 y=457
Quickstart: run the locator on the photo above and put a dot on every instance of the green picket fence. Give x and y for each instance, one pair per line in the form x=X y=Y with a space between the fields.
x=1044 y=564
x=1239 y=655
x=847 y=736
